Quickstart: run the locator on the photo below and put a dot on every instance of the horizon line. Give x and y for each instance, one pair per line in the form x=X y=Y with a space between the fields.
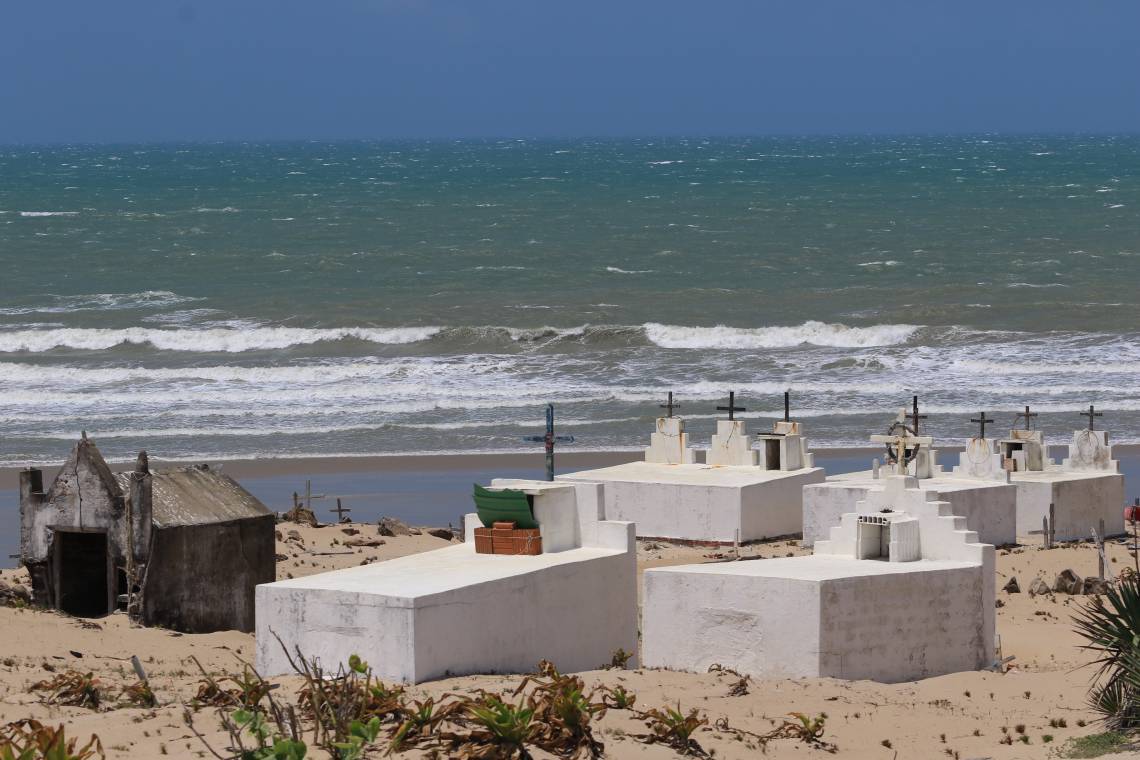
x=490 y=138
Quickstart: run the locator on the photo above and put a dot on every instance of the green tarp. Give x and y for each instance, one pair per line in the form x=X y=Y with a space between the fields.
x=510 y=505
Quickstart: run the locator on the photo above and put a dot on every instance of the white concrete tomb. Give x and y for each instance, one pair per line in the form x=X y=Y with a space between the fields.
x=452 y=611
x=760 y=497
x=1084 y=489
x=901 y=590
x=978 y=489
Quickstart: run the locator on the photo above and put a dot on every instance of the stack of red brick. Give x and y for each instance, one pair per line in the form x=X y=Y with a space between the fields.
x=505 y=538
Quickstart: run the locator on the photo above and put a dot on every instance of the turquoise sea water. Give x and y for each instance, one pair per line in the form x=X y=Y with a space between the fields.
x=233 y=300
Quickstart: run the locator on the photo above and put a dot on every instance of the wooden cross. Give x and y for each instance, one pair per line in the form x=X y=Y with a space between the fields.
x=1092 y=414
x=340 y=512
x=1028 y=417
x=902 y=441
x=915 y=416
x=732 y=407
x=669 y=405
x=549 y=439
x=309 y=496
x=983 y=421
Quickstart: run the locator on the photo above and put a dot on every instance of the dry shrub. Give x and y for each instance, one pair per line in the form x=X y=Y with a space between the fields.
x=32 y=740
x=70 y=688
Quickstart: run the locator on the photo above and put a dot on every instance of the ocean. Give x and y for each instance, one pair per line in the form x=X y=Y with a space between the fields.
x=233 y=300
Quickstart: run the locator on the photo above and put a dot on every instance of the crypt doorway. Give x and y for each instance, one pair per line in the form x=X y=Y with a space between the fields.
x=82 y=566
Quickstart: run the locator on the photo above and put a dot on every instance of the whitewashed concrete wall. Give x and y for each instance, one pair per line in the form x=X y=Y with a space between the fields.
x=809 y=617
x=1080 y=501
x=770 y=506
x=902 y=627
x=690 y=621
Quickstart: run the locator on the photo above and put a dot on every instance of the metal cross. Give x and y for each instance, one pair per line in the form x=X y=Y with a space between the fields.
x=787 y=406
x=732 y=407
x=915 y=416
x=549 y=439
x=669 y=405
x=1091 y=414
x=983 y=421
x=1028 y=417
x=340 y=512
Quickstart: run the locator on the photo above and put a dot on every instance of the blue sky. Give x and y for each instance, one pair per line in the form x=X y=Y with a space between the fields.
x=128 y=70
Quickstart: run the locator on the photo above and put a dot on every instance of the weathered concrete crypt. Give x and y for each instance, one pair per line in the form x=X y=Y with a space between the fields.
x=181 y=548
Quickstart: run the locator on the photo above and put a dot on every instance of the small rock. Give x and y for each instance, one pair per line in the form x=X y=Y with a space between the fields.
x=295 y=536
x=301 y=515
x=390 y=526
x=277 y=534
x=349 y=531
x=1068 y=582
x=1095 y=586
x=280 y=557
x=1038 y=587
x=1012 y=586
x=999 y=603
x=13 y=594
x=445 y=533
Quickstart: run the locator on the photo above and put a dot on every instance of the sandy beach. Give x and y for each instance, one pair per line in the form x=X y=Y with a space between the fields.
x=1029 y=711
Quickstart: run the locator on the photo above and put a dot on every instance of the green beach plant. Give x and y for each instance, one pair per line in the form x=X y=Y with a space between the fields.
x=506 y=725
x=32 y=740
x=1110 y=625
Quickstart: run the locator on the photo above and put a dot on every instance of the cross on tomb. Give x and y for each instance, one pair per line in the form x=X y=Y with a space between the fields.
x=902 y=441
x=1028 y=417
x=787 y=406
x=1092 y=413
x=915 y=416
x=549 y=439
x=732 y=407
x=669 y=406
x=340 y=512
x=983 y=421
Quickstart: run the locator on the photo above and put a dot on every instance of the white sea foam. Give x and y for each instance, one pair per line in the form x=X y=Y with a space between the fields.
x=811 y=333
x=48 y=213
x=618 y=270
x=224 y=340
x=223 y=210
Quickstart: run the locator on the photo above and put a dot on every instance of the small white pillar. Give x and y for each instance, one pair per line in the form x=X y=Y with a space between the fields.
x=669 y=443
x=731 y=446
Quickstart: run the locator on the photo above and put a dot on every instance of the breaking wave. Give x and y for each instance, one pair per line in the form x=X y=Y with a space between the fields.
x=809 y=333
x=224 y=340
x=229 y=339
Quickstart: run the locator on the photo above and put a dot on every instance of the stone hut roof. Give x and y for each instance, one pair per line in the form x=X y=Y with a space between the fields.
x=85 y=455
x=196 y=495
